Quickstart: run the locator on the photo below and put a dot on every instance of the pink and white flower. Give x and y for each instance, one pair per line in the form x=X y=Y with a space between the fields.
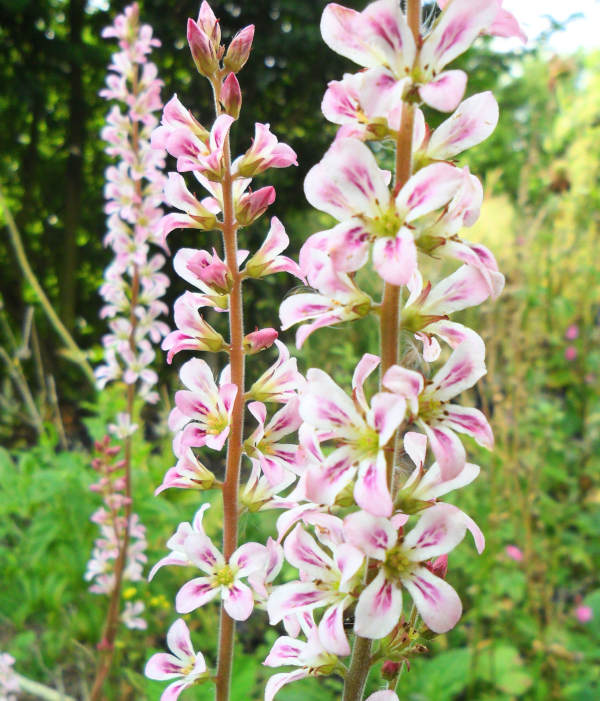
x=275 y=458
x=265 y=152
x=360 y=431
x=349 y=185
x=184 y=665
x=280 y=382
x=311 y=657
x=267 y=259
x=430 y=408
x=202 y=413
x=439 y=530
x=324 y=581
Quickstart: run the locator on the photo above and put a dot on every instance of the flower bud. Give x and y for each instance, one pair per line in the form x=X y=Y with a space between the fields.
x=439 y=567
x=253 y=204
x=209 y=24
x=239 y=49
x=231 y=96
x=203 y=51
x=259 y=340
x=211 y=270
x=390 y=669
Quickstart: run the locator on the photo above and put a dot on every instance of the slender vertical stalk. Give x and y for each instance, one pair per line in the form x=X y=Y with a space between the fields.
x=107 y=643
x=234 y=448
x=389 y=332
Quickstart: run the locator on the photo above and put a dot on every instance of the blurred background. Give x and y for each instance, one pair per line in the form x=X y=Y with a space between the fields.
x=531 y=628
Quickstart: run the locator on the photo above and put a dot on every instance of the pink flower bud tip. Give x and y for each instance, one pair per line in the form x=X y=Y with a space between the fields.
x=239 y=49
x=259 y=340
x=572 y=332
x=203 y=51
x=584 y=614
x=514 y=553
x=571 y=353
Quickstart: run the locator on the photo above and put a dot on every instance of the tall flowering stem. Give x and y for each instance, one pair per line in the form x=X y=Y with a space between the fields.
x=231 y=483
x=132 y=291
x=207 y=414
x=389 y=325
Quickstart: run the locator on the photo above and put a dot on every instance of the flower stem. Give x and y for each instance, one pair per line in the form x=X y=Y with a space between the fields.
x=389 y=332
x=234 y=448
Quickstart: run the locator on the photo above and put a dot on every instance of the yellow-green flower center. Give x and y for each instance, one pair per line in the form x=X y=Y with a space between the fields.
x=225 y=576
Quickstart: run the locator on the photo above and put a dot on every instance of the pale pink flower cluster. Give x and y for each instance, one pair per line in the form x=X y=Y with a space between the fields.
x=360 y=542
x=393 y=534
x=133 y=286
x=9 y=682
x=111 y=519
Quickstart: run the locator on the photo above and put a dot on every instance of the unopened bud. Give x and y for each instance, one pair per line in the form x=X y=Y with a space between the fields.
x=209 y=24
x=439 y=567
x=253 y=204
x=203 y=51
x=259 y=340
x=239 y=49
x=231 y=96
x=390 y=669
x=211 y=270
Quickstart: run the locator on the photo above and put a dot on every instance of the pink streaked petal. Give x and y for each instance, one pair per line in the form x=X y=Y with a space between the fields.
x=395 y=259
x=228 y=393
x=472 y=422
x=162 y=666
x=371 y=491
x=436 y=601
x=377 y=36
x=259 y=411
x=302 y=307
x=372 y=535
x=325 y=405
x=447 y=448
x=171 y=693
x=285 y=651
x=216 y=442
x=431 y=347
x=439 y=530
x=460 y=24
x=347 y=181
x=179 y=641
x=454 y=334
x=378 y=609
x=295 y=597
x=219 y=131
x=285 y=421
x=201 y=551
x=238 y=601
x=331 y=630
x=349 y=245
x=407 y=383
x=474 y=120
x=366 y=366
x=249 y=558
x=195 y=593
x=278 y=681
x=465 y=366
x=429 y=189
x=197 y=376
x=445 y=92
x=325 y=481
x=466 y=287
x=506 y=25
x=301 y=551
x=386 y=414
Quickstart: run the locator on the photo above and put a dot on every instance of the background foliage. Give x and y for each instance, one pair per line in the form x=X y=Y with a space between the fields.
x=539 y=490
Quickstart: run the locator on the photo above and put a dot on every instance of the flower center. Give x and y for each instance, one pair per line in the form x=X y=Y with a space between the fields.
x=396 y=563
x=225 y=576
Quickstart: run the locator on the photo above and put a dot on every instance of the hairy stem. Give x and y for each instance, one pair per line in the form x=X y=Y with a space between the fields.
x=389 y=332
x=234 y=448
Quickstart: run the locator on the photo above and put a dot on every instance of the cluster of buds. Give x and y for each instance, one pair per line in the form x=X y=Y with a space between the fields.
x=133 y=284
x=362 y=531
x=115 y=540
